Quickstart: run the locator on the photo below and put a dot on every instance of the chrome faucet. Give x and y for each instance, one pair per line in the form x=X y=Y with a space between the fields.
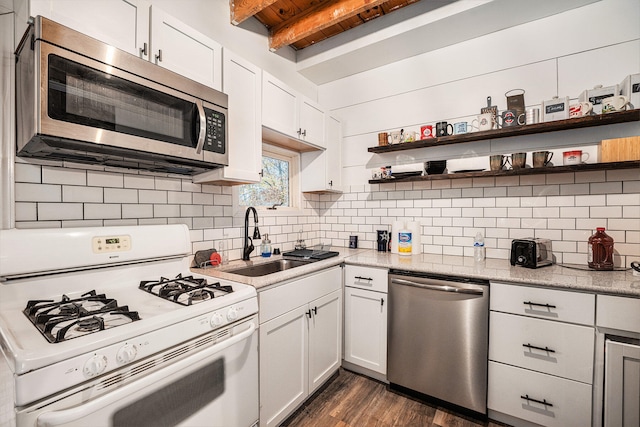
x=247 y=246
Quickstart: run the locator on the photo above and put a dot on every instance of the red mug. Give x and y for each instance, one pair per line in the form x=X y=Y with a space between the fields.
x=426 y=132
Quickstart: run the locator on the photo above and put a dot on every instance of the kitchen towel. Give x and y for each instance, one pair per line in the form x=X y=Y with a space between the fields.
x=395 y=230
x=415 y=228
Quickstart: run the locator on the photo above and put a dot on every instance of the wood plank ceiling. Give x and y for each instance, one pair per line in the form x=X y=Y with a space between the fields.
x=302 y=23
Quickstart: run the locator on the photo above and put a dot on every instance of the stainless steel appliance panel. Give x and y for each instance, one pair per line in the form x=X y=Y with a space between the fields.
x=438 y=337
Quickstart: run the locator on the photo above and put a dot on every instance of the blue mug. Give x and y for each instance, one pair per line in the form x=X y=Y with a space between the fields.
x=460 y=128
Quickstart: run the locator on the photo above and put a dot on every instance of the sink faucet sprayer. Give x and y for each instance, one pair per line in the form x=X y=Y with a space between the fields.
x=247 y=246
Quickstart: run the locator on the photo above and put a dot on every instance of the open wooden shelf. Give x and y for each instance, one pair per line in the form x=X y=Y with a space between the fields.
x=635 y=164
x=559 y=125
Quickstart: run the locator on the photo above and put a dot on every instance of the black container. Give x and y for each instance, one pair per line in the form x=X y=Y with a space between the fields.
x=353 y=242
x=383 y=240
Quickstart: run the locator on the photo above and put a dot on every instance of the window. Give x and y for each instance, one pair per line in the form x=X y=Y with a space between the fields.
x=278 y=185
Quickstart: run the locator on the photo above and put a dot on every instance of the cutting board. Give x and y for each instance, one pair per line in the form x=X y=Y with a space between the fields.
x=620 y=149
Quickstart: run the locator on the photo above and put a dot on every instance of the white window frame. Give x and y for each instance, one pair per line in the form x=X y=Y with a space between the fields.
x=295 y=196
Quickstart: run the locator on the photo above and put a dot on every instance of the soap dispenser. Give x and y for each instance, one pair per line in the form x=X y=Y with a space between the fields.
x=265 y=248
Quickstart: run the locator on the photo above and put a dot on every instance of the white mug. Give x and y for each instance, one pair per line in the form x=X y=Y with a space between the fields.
x=395 y=138
x=574 y=157
x=614 y=103
x=580 y=109
x=485 y=121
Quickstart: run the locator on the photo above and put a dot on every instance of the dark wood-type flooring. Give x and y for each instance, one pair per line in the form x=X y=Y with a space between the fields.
x=353 y=400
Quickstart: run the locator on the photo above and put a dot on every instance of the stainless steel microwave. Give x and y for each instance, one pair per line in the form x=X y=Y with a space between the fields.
x=81 y=100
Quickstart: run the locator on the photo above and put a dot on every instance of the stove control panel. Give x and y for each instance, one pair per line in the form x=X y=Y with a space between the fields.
x=95 y=366
x=103 y=244
x=127 y=353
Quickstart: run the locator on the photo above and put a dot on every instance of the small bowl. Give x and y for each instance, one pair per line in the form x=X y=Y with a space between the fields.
x=435 y=167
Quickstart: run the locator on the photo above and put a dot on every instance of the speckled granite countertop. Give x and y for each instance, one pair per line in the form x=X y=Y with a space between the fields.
x=622 y=283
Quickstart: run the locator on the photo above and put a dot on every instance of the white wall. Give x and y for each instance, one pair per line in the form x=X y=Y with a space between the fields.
x=558 y=56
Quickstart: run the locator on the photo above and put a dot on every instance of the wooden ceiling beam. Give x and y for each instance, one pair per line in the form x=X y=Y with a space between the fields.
x=316 y=19
x=241 y=10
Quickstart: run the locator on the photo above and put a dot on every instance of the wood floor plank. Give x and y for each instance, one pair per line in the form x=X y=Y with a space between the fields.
x=353 y=400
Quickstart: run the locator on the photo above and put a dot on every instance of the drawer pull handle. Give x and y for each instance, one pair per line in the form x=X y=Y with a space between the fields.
x=364 y=278
x=533 y=347
x=535 y=304
x=308 y=313
x=530 y=399
x=381 y=302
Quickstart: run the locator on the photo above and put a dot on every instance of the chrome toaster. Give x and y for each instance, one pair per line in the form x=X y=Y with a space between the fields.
x=531 y=253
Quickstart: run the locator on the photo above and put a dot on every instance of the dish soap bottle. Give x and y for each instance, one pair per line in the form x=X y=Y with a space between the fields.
x=265 y=248
x=600 y=250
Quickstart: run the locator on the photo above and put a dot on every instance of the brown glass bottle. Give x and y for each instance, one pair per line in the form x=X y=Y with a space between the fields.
x=600 y=250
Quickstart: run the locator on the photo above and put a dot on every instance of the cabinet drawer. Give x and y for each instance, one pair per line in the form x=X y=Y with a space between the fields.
x=374 y=279
x=570 y=347
x=552 y=304
x=571 y=400
x=281 y=299
x=619 y=313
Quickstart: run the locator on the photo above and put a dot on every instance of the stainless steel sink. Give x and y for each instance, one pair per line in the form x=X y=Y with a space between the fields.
x=269 y=267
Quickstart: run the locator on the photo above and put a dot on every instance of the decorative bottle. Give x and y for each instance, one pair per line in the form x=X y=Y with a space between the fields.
x=600 y=250
x=478 y=247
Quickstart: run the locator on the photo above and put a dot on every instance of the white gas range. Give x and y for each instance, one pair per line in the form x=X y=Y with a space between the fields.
x=108 y=325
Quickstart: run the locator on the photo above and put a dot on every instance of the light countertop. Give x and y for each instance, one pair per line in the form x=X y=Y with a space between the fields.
x=622 y=283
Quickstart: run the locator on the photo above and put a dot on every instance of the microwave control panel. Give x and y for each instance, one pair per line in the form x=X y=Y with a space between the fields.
x=215 y=131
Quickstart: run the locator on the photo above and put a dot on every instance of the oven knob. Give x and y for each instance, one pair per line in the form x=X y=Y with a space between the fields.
x=126 y=354
x=217 y=320
x=232 y=314
x=94 y=366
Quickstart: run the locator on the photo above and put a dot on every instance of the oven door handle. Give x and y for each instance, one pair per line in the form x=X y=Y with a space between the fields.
x=57 y=418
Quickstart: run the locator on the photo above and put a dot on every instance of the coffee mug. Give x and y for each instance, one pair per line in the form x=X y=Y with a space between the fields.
x=497 y=162
x=460 y=128
x=532 y=116
x=574 y=157
x=426 y=131
x=442 y=129
x=485 y=121
x=518 y=160
x=510 y=118
x=614 y=103
x=580 y=109
x=541 y=158
x=383 y=138
x=396 y=138
x=409 y=136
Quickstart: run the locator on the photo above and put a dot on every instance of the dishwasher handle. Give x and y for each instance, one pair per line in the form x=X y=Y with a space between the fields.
x=440 y=288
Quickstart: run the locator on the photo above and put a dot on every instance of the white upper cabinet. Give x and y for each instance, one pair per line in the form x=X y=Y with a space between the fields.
x=120 y=23
x=182 y=49
x=148 y=32
x=321 y=170
x=243 y=83
x=290 y=113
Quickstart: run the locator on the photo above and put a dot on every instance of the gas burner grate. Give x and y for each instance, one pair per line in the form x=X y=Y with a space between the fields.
x=185 y=290
x=71 y=318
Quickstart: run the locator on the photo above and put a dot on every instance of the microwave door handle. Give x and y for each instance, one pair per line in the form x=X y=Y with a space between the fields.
x=203 y=127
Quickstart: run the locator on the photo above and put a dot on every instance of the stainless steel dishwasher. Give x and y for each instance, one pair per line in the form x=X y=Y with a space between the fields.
x=438 y=337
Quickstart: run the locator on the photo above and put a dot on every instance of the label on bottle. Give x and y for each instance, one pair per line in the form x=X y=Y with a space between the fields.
x=590 y=254
x=404 y=243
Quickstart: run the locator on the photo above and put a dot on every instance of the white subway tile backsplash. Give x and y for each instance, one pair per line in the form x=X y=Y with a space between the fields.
x=169 y=184
x=546 y=190
x=140 y=181
x=53 y=175
x=631 y=211
x=605 y=187
x=102 y=211
x=605 y=211
x=59 y=211
x=104 y=179
x=26 y=211
x=179 y=198
x=590 y=176
x=153 y=196
x=120 y=195
x=74 y=193
x=596 y=200
x=28 y=192
x=560 y=178
x=137 y=211
x=574 y=189
x=25 y=172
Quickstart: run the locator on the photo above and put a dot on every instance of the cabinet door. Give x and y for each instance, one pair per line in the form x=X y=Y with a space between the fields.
x=182 y=49
x=279 y=106
x=321 y=170
x=325 y=338
x=242 y=81
x=312 y=123
x=622 y=385
x=120 y=23
x=365 y=329
x=283 y=365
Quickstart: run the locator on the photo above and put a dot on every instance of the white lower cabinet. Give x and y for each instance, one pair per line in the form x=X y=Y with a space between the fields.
x=538 y=398
x=541 y=356
x=365 y=318
x=300 y=341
